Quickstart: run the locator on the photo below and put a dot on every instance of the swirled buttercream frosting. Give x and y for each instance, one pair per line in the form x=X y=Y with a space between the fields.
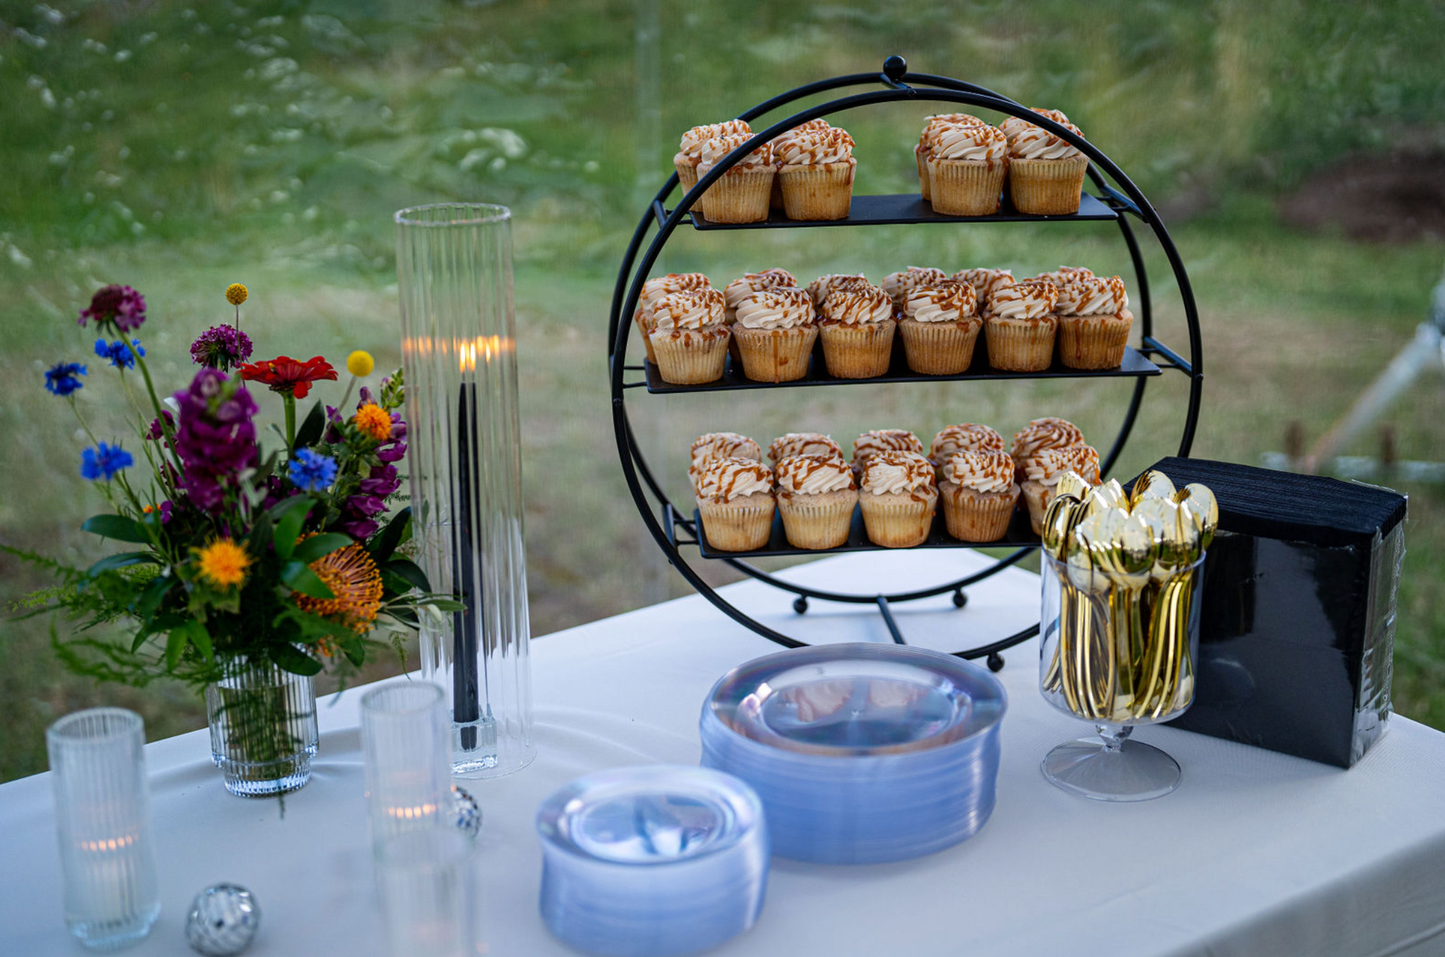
x=775 y=309
x=811 y=126
x=899 y=284
x=655 y=289
x=813 y=475
x=984 y=470
x=1063 y=274
x=1048 y=466
x=721 y=445
x=693 y=139
x=1095 y=296
x=723 y=480
x=965 y=437
x=813 y=147
x=688 y=310
x=884 y=440
x=749 y=283
x=951 y=300
x=1040 y=434
x=856 y=307
x=718 y=147
x=888 y=473
x=985 y=282
x=820 y=288
x=1013 y=125
x=1024 y=300
x=803 y=443
x=952 y=141
x=1035 y=142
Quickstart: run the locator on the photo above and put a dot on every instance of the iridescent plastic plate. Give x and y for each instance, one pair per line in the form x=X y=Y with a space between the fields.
x=858 y=700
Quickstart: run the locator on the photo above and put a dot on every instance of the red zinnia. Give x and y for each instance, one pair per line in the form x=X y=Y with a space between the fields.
x=286 y=375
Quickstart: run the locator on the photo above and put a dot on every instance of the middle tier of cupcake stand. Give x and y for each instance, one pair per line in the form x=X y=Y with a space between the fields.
x=677 y=528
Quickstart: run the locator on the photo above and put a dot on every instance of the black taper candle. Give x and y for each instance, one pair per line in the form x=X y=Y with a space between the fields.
x=465 y=706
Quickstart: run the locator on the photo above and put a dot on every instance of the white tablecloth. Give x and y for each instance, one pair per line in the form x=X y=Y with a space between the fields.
x=1256 y=853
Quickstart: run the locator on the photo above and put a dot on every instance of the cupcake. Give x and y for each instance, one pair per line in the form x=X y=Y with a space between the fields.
x=689 y=337
x=816 y=495
x=899 y=284
x=749 y=283
x=1039 y=435
x=812 y=126
x=803 y=443
x=655 y=289
x=857 y=332
x=979 y=494
x=920 y=152
x=1094 y=321
x=816 y=169
x=1063 y=274
x=985 y=283
x=965 y=437
x=720 y=445
x=1046 y=174
x=1045 y=469
x=1014 y=125
x=689 y=151
x=1020 y=327
x=967 y=166
x=897 y=493
x=735 y=499
x=775 y=334
x=883 y=440
x=939 y=328
x=741 y=195
x=819 y=289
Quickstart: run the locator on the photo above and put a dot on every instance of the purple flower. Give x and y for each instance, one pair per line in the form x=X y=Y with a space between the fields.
x=221 y=347
x=155 y=431
x=216 y=438
x=120 y=305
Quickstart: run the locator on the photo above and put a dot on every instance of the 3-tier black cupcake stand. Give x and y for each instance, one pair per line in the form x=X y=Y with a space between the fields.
x=1117 y=199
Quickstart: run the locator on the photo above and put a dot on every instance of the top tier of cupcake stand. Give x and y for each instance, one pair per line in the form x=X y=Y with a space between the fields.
x=1117 y=199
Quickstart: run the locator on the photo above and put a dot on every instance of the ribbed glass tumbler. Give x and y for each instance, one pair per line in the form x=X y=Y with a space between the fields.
x=103 y=816
x=429 y=894
x=406 y=740
x=454 y=265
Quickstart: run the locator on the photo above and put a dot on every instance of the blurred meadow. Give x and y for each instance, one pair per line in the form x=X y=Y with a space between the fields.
x=1294 y=149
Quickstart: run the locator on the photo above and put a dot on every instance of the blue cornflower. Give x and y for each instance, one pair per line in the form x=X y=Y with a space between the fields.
x=117 y=353
x=310 y=471
x=104 y=461
x=62 y=378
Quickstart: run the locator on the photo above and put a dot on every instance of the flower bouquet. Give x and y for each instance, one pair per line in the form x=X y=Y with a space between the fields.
x=249 y=570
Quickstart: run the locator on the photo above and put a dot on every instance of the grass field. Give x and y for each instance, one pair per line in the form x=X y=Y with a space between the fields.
x=180 y=148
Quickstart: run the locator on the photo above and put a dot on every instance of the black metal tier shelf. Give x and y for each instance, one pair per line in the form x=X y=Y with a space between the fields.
x=1114 y=196
x=1134 y=364
x=904 y=210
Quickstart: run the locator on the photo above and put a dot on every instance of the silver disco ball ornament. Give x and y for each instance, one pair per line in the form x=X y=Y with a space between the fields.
x=466 y=815
x=222 y=921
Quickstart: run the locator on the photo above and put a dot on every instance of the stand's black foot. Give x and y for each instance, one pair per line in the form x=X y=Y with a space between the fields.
x=800 y=604
x=959 y=599
x=995 y=662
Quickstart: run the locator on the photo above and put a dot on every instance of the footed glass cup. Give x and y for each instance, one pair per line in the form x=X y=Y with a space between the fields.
x=1118 y=656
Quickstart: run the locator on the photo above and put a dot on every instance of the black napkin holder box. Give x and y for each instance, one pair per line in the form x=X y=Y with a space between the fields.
x=1297 y=621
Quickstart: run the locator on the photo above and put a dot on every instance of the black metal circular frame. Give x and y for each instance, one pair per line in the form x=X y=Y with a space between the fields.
x=663 y=519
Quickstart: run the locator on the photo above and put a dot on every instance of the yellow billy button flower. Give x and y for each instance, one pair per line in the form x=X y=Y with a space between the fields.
x=235 y=294
x=371 y=419
x=360 y=364
x=222 y=563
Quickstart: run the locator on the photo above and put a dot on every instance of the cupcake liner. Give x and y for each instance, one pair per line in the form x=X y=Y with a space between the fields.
x=1037 y=495
x=775 y=355
x=897 y=520
x=939 y=348
x=967 y=187
x=741 y=525
x=859 y=351
x=691 y=357
x=1020 y=345
x=686 y=172
x=646 y=335
x=739 y=196
x=821 y=191
x=923 y=184
x=1047 y=187
x=818 y=521
x=1094 y=342
x=973 y=516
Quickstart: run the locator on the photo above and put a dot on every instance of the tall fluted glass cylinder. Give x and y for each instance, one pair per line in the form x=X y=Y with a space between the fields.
x=454 y=265
x=103 y=817
x=406 y=741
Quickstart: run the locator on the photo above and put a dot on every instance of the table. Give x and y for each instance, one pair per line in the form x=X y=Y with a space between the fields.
x=1256 y=853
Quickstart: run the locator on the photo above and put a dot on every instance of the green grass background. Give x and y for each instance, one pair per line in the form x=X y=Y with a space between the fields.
x=180 y=147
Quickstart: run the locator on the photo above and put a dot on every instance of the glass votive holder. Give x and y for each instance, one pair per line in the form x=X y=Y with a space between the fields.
x=428 y=885
x=406 y=743
x=103 y=817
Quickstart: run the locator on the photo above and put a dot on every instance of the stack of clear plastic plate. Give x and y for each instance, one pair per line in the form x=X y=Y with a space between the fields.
x=861 y=753
x=652 y=861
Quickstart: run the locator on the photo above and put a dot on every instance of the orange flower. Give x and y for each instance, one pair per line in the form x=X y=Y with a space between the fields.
x=223 y=563
x=374 y=421
x=354 y=581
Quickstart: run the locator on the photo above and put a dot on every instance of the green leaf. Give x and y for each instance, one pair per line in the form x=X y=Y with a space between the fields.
x=297 y=662
x=317 y=545
x=151 y=598
x=175 y=644
x=118 y=527
x=201 y=638
x=353 y=648
x=310 y=432
x=397 y=531
x=260 y=538
x=119 y=560
x=300 y=578
x=409 y=571
x=289 y=516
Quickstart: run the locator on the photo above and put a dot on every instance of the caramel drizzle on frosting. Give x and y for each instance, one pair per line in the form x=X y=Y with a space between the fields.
x=884 y=440
x=1095 y=296
x=1030 y=299
x=695 y=309
x=960 y=141
x=986 y=282
x=803 y=443
x=1013 y=125
x=983 y=470
x=781 y=308
x=715 y=149
x=813 y=475
x=1048 y=466
x=819 y=288
x=897 y=471
x=721 y=445
x=949 y=300
x=966 y=436
x=722 y=480
x=809 y=147
x=1064 y=274
x=1046 y=433
x=855 y=306
x=693 y=139
x=899 y=284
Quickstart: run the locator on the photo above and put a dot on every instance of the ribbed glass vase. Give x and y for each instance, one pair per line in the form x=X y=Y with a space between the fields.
x=263 y=728
x=454 y=265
